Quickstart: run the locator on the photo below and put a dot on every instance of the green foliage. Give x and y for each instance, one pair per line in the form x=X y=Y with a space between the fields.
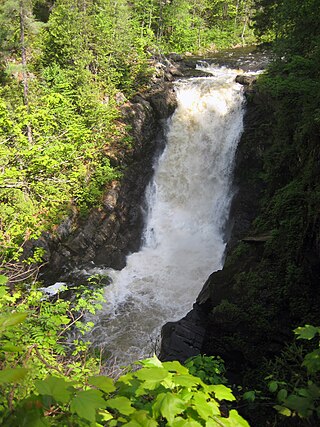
x=210 y=369
x=204 y=25
x=48 y=379
x=157 y=394
x=298 y=393
x=34 y=340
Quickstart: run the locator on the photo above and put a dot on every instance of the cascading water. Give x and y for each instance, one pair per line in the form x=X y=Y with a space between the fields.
x=188 y=204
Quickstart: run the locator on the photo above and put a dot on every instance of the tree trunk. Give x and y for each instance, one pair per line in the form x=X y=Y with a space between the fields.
x=246 y=20
x=22 y=15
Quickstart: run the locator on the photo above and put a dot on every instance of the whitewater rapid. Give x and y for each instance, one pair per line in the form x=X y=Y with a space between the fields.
x=188 y=204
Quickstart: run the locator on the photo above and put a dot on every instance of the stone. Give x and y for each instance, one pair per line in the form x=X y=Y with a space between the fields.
x=246 y=79
x=183 y=339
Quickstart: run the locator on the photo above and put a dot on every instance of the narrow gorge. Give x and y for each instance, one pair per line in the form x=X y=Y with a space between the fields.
x=182 y=215
x=187 y=203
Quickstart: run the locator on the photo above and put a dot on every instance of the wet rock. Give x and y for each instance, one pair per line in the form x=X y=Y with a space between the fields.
x=246 y=79
x=163 y=102
x=174 y=71
x=176 y=57
x=183 y=339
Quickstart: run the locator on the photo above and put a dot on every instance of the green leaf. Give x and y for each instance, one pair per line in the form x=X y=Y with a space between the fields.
x=151 y=377
x=12 y=375
x=313 y=390
x=121 y=404
x=152 y=361
x=205 y=409
x=168 y=406
x=283 y=410
x=141 y=419
x=3 y=279
x=187 y=381
x=306 y=332
x=86 y=402
x=3 y=291
x=175 y=366
x=282 y=395
x=10 y=348
x=273 y=386
x=56 y=387
x=299 y=404
x=103 y=383
x=250 y=396
x=12 y=319
x=32 y=418
x=234 y=420
x=221 y=392
x=312 y=361
x=181 y=422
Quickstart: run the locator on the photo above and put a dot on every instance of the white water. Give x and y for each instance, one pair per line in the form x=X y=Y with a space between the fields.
x=188 y=202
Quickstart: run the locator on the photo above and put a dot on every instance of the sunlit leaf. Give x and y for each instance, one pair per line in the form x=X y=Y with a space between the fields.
x=306 y=332
x=121 y=404
x=152 y=361
x=186 y=380
x=3 y=279
x=221 y=392
x=283 y=410
x=234 y=420
x=175 y=366
x=105 y=415
x=205 y=408
x=103 y=383
x=151 y=377
x=168 y=405
x=182 y=422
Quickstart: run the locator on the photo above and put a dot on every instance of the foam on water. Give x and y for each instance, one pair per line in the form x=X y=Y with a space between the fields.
x=188 y=204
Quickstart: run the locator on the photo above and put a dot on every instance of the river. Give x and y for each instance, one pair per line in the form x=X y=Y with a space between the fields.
x=188 y=204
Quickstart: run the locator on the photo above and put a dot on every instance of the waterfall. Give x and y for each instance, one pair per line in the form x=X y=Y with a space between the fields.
x=188 y=203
